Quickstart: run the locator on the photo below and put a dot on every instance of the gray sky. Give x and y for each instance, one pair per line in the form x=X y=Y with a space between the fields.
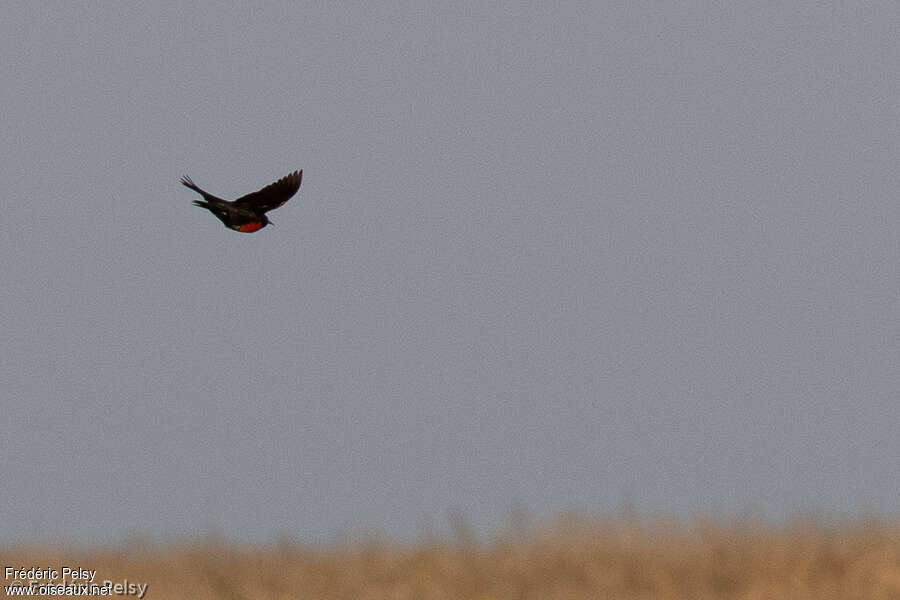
x=558 y=257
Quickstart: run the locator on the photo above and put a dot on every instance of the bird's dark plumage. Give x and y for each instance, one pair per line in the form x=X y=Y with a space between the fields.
x=248 y=213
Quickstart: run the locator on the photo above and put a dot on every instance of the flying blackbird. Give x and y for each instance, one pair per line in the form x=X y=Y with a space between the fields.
x=248 y=213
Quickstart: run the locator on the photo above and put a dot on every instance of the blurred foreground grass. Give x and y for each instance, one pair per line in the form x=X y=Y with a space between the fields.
x=574 y=557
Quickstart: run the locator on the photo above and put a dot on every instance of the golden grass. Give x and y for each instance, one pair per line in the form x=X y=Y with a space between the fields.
x=575 y=557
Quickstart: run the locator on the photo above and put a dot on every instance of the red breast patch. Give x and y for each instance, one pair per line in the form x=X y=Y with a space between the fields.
x=250 y=227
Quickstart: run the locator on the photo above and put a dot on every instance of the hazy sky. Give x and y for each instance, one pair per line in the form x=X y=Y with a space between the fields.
x=561 y=257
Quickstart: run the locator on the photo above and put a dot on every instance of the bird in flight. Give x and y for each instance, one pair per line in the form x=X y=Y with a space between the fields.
x=248 y=213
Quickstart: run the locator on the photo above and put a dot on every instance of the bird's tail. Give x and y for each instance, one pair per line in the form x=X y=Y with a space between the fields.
x=188 y=182
x=201 y=204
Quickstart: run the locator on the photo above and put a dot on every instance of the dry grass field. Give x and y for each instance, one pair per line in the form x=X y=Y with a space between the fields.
x=575 y=557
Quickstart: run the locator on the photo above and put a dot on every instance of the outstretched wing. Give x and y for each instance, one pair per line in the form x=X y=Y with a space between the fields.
x=187 y=182
x=272 y=196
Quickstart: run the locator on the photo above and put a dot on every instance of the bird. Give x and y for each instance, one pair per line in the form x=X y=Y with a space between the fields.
x=247 y=214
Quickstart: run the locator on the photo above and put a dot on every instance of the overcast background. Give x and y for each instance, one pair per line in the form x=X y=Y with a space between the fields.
x=571 y=256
